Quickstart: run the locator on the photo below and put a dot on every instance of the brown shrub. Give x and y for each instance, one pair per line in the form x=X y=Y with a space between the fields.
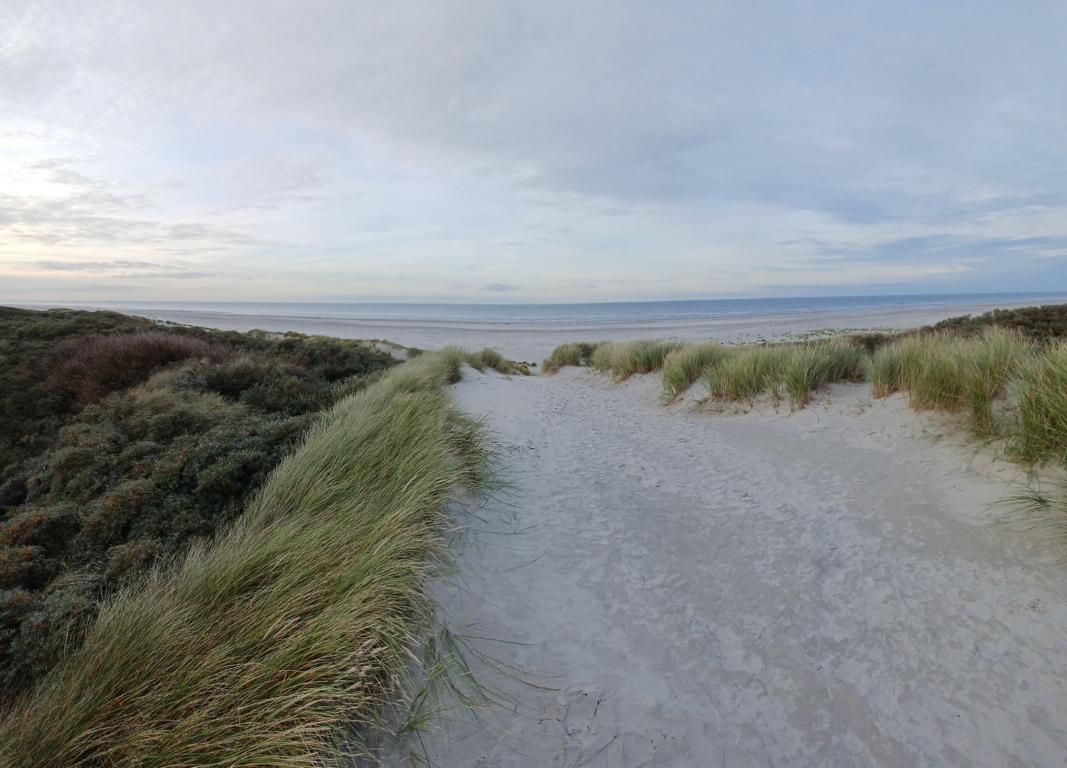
x=87 y=368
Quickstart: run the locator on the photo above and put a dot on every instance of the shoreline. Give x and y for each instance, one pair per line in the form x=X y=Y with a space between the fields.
x=535 y=341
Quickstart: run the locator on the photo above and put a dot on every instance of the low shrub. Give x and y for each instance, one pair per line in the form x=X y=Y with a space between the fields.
x=1044 y=323
x=87 y=368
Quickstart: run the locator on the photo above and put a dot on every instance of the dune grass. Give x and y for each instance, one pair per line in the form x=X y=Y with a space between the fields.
x=573 y=353
x=810 y=367
x=948 y=373
x=487 y=358
x=1042 y=408
x=684 y=366
x=624 y=359
x=746 y=372
x=259 y=647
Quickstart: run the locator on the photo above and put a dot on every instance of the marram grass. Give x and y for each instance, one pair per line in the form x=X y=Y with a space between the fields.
x=747 y=372
x=572 y=353
x=683 y=366
x=1042 y=409
x=947 y=373
x=624 y=359
x=259 y=647
x=808 y=368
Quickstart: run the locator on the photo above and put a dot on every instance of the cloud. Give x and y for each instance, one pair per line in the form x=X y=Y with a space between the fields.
x=119 y=268
x=705 y=148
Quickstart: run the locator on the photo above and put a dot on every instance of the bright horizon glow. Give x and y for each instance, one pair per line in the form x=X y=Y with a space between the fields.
x=473 y=152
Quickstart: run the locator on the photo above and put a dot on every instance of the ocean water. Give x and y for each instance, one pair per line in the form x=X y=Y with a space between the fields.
x=593 y=313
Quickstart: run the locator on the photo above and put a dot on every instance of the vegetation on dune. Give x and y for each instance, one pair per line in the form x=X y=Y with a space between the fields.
x=88 y=367
x=1036 y=323
x=573 y=353
x=488 y=358
x=682 y=367
x=943 y=372
x=746 y=373
x=1042 y=408
x=623 y=360
x=810 y=367
x=260 y=647
x=137 y=442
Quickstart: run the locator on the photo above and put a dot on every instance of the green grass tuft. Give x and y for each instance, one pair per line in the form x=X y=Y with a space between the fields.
x=682 y=367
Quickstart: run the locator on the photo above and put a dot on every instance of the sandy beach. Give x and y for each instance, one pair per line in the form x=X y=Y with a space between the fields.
x=533 y=342
x=659 y=586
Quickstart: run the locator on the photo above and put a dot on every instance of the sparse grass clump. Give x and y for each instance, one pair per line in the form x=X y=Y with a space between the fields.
x=573 y=353
x=623 y=360
x=682 y=367
x=259 y=647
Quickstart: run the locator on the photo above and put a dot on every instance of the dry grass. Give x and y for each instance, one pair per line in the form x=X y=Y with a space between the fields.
x=258 y=648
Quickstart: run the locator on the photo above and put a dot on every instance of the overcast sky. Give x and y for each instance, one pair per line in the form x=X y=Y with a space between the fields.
x=559 y=151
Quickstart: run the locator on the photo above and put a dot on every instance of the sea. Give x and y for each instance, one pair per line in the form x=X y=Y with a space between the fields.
x=635 y=312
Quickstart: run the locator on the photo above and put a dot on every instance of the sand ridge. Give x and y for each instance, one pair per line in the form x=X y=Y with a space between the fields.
x=827 y=587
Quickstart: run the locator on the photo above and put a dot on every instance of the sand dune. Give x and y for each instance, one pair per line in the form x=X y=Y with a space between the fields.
x=829 y=587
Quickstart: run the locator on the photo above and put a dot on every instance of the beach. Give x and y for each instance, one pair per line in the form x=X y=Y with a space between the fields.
x=533 y=341
x=665 y=586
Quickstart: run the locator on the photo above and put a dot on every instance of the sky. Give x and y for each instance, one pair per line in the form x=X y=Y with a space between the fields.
x=522 y=152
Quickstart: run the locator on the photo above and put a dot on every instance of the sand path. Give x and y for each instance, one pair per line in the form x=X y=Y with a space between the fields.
x=818 y=588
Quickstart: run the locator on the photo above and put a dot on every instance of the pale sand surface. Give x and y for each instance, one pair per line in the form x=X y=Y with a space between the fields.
x=534 y=342
x=828 y=587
